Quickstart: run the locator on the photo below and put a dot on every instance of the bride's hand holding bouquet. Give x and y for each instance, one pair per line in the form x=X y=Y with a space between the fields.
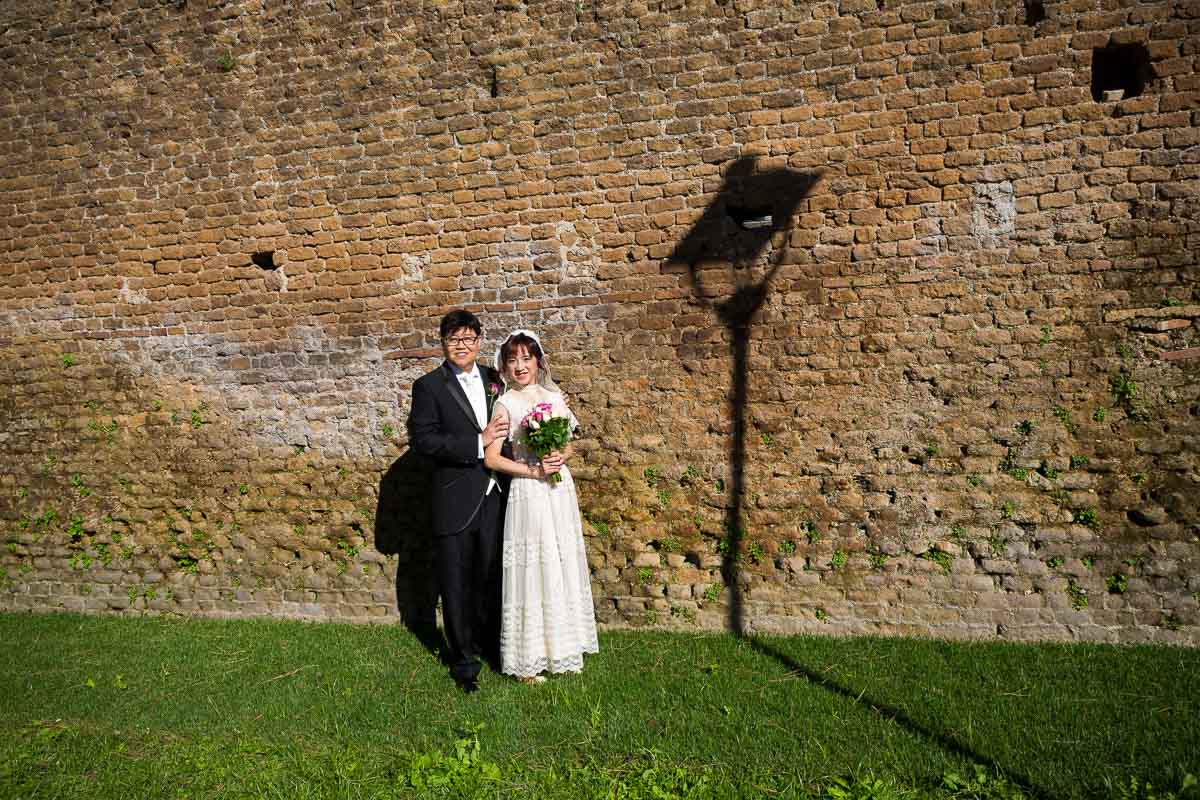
x=545 y=433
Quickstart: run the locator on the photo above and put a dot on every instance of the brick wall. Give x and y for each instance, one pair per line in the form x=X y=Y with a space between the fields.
x=940 y=255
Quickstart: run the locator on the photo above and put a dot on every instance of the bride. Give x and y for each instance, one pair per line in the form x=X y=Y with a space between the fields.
x=547 y=618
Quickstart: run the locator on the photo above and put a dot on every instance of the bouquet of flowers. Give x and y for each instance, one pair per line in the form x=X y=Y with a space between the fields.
x=545 y=433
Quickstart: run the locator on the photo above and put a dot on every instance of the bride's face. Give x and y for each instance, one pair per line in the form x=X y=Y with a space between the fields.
x=521 y=367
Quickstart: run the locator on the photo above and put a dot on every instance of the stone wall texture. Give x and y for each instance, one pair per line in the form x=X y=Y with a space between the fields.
x=881 y=316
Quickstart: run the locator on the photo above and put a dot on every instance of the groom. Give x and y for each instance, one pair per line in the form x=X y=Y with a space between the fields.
x=449 y=423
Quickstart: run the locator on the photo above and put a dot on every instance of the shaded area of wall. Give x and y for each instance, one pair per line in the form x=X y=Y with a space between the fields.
x=970 y=401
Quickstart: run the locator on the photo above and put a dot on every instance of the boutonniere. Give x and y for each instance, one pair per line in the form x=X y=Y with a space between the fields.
x=493 y=389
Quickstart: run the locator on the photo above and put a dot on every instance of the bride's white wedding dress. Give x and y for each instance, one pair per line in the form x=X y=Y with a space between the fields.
x=548 y=620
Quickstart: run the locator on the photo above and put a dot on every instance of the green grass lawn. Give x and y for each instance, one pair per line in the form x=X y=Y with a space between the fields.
x=116 y=708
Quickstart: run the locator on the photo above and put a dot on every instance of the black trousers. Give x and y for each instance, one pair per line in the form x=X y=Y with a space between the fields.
x=468 y=568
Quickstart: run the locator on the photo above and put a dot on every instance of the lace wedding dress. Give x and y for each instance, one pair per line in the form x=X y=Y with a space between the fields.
x=548 y=621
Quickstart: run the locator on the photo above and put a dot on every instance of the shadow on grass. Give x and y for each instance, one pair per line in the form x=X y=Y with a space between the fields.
x=403 y=528
x=936 y=738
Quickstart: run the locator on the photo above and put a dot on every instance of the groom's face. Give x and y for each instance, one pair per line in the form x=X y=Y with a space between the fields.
x=462 y=347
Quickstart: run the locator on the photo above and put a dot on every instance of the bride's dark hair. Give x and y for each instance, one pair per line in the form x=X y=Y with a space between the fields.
x=514 y=343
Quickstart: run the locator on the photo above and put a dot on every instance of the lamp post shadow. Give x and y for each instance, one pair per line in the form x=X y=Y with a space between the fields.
x=751 y=207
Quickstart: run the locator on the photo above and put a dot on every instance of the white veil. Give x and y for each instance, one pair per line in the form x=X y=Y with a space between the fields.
x=543 y=377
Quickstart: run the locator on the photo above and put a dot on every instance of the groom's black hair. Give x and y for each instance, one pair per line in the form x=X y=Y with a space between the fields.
x=458 y=319
x=512 y=343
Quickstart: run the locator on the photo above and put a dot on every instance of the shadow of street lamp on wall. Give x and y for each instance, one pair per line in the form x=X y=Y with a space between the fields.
x=750 y=208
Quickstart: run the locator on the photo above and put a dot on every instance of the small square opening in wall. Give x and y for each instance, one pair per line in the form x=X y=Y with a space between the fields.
x=264 y=259
x=1120 y=71
x=1035 y=12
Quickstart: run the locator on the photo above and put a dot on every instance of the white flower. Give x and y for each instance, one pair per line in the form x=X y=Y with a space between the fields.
x=534 y=425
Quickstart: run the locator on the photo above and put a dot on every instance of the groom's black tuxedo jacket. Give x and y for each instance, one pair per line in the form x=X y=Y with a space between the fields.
x=442 y=426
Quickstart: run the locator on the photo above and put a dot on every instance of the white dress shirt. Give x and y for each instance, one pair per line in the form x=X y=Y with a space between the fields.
x=472 y=386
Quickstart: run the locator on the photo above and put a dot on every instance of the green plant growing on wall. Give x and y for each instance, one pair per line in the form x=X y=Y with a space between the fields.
x=1008 y=465
x=388 y=430
x=1087 y=516
x=652 y=475
x=821 y=615
x=974 y=481
x=712 y=593
x=690 y=476
x=1123 y=350
x=755 y=552
x=1123 y=388
x=600 y=526
x=1139 y=478
x=645 y=575
x=719 y=485
x=1100 y=414
x=786 y=548
x=1079 y=462
x=671 y=544
x=940 y=557
x=997 y=544
x=226 y=62
x=877 y=558
x=650 y=617
x=1025 y=427
x=1048 y=472
x=664 y=497
x=196 y=418
x=838 y=560
x=1064 y=416
x=809 y=529
x=68 y=360
x=958 y=532
x=766 y=438
x=1116 y=583
x=1047 y=336
x=1055 y=562
x=1088 y=562
x=1008 y=509
x=688 y=615
x=931 y=451
x=1079 y=598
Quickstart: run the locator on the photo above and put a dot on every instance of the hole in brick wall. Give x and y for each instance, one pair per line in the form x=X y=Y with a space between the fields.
x=750 y=218
x=1119 y=71
x=1035 y=12
x=495 y=89
x=264 y=259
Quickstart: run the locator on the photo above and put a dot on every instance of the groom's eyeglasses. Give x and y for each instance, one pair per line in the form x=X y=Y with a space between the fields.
x=462 y=341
